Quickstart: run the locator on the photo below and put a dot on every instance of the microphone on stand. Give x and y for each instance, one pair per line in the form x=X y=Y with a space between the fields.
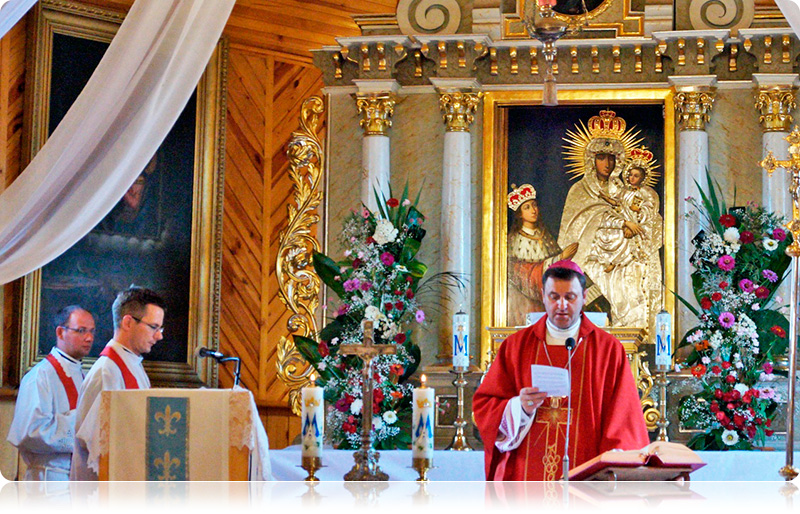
x=205 y=352
x=570 y=344
x=222 y=358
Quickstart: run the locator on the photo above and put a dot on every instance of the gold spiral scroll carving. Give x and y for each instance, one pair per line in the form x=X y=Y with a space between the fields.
x=298 y=283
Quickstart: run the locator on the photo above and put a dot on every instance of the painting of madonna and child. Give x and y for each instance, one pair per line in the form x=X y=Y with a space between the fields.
x=586 y=183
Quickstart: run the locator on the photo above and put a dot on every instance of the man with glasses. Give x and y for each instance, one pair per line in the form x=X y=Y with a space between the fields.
x=44 y=416
x=138 y=316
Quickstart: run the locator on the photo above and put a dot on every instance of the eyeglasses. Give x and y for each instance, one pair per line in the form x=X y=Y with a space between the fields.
x=155 y=328
x=82 y=331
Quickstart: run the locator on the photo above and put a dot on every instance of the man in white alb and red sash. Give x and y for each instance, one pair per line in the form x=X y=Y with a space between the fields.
x=44 y=417
x=138 y=325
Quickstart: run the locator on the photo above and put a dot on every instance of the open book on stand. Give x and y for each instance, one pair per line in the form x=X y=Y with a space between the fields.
x=660 y=460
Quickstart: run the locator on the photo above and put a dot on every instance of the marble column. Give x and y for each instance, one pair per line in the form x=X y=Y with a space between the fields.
x=375 y=102
x=458 y=111
x=694 y=98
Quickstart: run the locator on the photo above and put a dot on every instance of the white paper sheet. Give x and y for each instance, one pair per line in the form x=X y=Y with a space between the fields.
x=554 y=381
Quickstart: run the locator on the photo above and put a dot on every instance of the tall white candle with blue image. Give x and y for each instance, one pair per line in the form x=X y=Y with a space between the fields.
x=663 y=341
x=422 y=422
x=313 y=416
x=461 y=340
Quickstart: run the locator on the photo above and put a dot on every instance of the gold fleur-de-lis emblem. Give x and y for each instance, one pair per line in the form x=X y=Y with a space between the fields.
x=168 y=417
x=166 y=464
x=423 y=403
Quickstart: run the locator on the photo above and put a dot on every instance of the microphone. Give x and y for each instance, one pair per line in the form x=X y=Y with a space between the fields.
x=205 y=352
x=570 y=344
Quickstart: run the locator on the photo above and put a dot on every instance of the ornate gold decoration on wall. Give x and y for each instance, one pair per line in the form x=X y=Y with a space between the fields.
x=376 y=111
x=775 y=106
x=694 y=108
x=603 y=15
x=298 y=283
x=458 y=110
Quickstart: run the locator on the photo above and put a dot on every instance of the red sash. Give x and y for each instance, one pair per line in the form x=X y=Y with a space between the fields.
x=69 y=385
x=127 y=376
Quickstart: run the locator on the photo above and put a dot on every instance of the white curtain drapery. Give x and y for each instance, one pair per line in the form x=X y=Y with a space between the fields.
x=111 y=131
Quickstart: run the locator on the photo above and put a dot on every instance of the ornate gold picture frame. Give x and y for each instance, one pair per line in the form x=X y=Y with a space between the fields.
x=499 y=108
x=176 y=363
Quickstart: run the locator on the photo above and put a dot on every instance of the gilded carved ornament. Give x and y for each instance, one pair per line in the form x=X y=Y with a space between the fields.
x=694 y=108
x=298 y=283
x=376 y=111
x=775 y=106
x=458 y=110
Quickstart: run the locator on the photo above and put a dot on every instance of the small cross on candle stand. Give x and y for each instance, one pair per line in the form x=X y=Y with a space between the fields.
x=366 y=459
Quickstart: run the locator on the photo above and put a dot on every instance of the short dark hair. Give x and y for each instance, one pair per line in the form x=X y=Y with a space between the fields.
x=62 y=316
x=134 y=301
x=564 y=274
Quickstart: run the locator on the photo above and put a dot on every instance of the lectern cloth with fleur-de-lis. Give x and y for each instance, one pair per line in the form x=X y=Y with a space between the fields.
x=179 y=434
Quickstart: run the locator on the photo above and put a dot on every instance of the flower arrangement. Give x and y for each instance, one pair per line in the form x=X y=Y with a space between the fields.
x=379 y=279
x=739 y=261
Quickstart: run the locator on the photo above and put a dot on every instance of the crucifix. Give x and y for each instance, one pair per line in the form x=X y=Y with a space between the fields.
x=792 y=165
x=366 y=459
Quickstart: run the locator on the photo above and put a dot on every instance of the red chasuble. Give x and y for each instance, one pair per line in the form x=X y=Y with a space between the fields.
x=606 y=413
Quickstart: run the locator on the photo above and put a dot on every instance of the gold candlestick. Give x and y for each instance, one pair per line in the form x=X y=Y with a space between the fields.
x=421 y=465
x=459 y=442
x=662 y=422
x=311 y=465
x=792 y=165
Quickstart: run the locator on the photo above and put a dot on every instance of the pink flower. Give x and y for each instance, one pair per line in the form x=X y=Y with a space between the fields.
x=770 y=275
x=746 y=285
x=419 y=316
x=726 y=263
x=387 y=259
x=351 y=284
x=726 y=319
x=767 y=367
x=778 y=234
x=365 y=213
x=762 y=292
x=366 y=285
x=343 y=309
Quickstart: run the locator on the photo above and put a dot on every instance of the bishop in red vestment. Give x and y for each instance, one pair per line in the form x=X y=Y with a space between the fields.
x=606 y=410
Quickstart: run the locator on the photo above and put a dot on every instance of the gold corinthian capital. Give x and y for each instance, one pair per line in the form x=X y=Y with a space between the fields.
x=376 y=111
x=774 y=105
x=458 y=110
x=694 y=108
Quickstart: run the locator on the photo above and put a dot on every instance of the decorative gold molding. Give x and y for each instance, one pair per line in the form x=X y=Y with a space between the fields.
x=458 y=110
x=694 y=108
x=298 y=283
x=775 y=106
x=376 y=111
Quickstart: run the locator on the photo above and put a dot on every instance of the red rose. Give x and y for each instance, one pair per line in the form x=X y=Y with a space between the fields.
x=716 y=370
x=397 y=292
x=392 y=202
x=730 y=379
x=409 y=278
x=400 y=338
x=705 y=303
x=356 y=263
x=738 y=420
x=717 y=296
x=723 y=285
x=778 y=331
x=727 y=220
x=726 y=365
x=387 y=306
x=746 y=237
x=377 y=396
x=323 y=349
x=717 y=392
x=720 y=416
x=409 y=294
x=371 y=241
x=399 y=306
x=768 y=432
x=762 y=292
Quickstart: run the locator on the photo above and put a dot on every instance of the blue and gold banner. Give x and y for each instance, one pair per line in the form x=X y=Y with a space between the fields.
x=167 y=439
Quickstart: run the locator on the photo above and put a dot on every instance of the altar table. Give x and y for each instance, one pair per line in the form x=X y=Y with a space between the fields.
x=468 y=466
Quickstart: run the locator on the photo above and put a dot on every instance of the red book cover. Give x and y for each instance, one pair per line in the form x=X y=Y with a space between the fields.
x=660 y=460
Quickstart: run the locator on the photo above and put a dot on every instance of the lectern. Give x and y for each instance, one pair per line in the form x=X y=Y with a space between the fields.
x=180 y=434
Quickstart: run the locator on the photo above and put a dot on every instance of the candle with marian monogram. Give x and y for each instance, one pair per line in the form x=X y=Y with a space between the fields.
x=313 y=417
x=461 y=340
x=422 y=422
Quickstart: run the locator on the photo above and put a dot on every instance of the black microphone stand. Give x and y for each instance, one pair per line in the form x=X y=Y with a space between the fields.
x=570 y=344
x=236 y=371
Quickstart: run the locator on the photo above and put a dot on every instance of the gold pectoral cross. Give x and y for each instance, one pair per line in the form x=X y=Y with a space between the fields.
x=552 y=414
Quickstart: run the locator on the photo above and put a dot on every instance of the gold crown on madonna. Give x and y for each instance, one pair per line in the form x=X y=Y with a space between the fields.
x=423 y=403
x=606 y=125
x=520 y=195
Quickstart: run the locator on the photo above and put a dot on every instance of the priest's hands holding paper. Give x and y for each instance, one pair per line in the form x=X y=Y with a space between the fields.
x=531 y=398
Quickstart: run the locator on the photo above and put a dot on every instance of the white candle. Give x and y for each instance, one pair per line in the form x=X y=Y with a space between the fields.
x=422 y=422
x=663 y=341
x=313 y=416
x=461 y=340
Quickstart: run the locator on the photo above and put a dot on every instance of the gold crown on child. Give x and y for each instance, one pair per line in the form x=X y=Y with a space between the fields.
x=520 y=195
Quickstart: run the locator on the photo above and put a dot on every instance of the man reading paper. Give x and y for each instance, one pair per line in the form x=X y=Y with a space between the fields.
x=523 y=429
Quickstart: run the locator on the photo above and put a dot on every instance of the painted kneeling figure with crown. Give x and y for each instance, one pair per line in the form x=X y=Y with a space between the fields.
x=524 y=430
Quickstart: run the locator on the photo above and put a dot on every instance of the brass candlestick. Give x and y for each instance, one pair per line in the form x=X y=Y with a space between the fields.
x=421 y=465
x=459 y=442
x=311 y=465
x=662 y=422
x=792 y=165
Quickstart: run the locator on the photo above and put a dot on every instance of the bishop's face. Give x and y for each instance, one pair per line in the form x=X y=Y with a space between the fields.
x=563 y=301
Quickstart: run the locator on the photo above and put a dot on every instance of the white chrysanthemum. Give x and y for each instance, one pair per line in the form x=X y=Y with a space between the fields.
x=715 y=340
x=731 y=235
x=355 y=407
x=390 y=417
x=385 y=232
x=730 y=437
x=373 y=313
x=741 y=388
x=770 y=244
x=377 y=422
